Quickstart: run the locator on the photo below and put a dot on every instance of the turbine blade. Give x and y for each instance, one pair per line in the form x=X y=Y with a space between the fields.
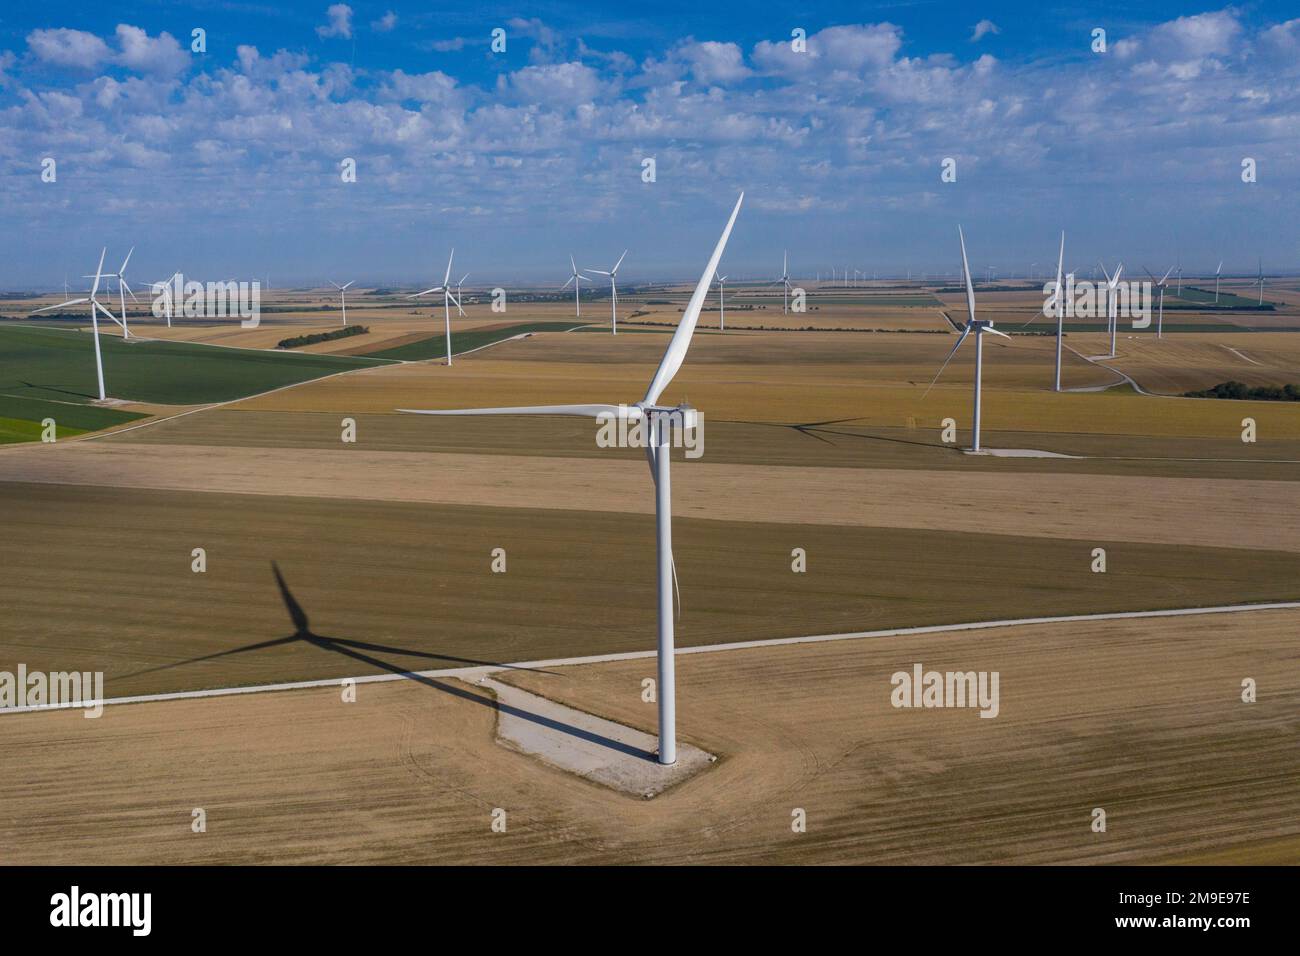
x=570 y=279
x=61 y=305
x=345 y=285
x=125 y=261
x=630 y=412
x=989 y=328
x=99 y=272
x=681 y=340
x=447 y=278
x=960 y=339
x=619 y=263
x=970 y=291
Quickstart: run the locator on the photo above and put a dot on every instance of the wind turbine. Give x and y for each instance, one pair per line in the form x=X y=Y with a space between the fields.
x=979 y=327
x=447 y=299
x=95 y=307
x=660 y=419
x=1260 y=280
x=613 y=288
x=1217 y=273
x=460 y=283
x=1112 y=304
x=165 y=287
x=722 y=303
x=120 y=275
x=1160 y=285
x=576 y=278
x=785 y=282
x=343 y=297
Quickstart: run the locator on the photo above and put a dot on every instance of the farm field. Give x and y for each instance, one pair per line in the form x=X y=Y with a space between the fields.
x=1138 y=717
x=824 y=440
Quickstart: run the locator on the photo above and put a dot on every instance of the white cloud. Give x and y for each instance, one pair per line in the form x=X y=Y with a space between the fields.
x=983 y=29
x=145 y=54
x=385 y=23
x=712 y=62
x=340 y=22
x=555 y=84
x=842 y=48
x=63 y=47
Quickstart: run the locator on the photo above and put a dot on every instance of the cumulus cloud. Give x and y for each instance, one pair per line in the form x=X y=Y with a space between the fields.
x=145 y=54
x=842 y=48
x=64 y=47
x=555 y=84
x=983 y=29
x=340 y=22
x=385 y=23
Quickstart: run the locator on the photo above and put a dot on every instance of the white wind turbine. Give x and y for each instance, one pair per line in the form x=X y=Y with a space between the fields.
x=576 y=278
x=1112 y=303
x=164 y=287
x=343 y=298
x=1260 y=281
x=95 y=307
x=1217 y=273
x=722 y=303
x=613 y=288
x=660 y=420
x=447 y=299
x=460 y=283
x=1160 y=287
x=979 y=327
x=785 y=282
x=120 y=276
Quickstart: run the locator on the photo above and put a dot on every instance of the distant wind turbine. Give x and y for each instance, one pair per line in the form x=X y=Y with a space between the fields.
x=164 y=286
x=613 y=289
x=1260 y=280
x=343 y=297
x=447 y=299
x=1160 y=287
x=722 y=303
x=576 y=278
x=1112 y=303
x=660 y=420
x=1217 y=273
x=979 y=327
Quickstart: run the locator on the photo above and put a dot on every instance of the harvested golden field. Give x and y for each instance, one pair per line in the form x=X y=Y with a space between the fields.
x=1200 y=511
x=1140 y=718
x=101 y=578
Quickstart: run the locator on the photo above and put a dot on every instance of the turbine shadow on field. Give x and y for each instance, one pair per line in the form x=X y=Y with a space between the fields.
x=355 y=649
x=342 y=645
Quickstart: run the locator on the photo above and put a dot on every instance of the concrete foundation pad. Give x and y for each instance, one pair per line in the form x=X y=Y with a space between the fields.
x=611 y=754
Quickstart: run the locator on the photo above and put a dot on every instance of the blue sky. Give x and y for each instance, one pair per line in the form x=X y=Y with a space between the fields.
x=226 y=163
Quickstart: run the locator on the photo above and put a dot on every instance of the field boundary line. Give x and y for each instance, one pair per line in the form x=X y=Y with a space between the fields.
x=483 y=669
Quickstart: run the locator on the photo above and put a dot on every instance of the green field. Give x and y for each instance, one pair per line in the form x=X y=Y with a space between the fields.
x=1227 y=300
x=58 y=364
x=436 y=345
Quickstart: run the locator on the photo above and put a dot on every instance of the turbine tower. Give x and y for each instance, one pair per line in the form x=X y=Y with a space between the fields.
x=447 y=299
x=1060 y=312
x=1260 y=280
x=660 y=420
x=979 y=327
x=613 y=288
x=95 y=307
x=785 y=283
